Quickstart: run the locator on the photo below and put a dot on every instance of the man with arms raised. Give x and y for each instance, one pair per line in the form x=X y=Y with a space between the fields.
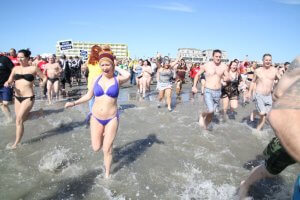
x=263 y=78
x=214 y=72
x=53 y=70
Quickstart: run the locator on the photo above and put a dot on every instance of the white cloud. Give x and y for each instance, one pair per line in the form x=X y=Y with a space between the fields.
x=290 y=2
x=179 y=7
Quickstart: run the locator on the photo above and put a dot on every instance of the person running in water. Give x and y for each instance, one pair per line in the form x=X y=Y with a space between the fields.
x=230 y=89
x=164 y=77
x=6 y=93
x=283 y=150
x=92 y=66
x=104 y=120
x=181 y=69
x=24 y=92
x=263 y=81
x=146 y=77
x=214 y=72
x=52 y=71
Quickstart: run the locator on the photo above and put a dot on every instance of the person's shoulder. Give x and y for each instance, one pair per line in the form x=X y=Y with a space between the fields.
x=223 y=65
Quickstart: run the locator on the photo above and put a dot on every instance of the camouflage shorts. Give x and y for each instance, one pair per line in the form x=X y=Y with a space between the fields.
x=277 y=159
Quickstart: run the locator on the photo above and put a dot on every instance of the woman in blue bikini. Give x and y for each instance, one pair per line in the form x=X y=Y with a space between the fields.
x=104 y=116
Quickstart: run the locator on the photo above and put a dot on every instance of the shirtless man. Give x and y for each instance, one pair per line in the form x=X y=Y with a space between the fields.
x=263 y=81
x=214 y=71
x=285 y=149
x=53 y=70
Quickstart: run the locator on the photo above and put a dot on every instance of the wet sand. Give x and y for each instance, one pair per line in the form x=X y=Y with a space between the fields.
x=157 y=154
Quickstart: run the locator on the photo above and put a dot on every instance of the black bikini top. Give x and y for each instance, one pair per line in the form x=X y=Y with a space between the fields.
x=27 y=77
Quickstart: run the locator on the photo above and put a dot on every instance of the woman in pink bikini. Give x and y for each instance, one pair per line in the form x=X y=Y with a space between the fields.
x=104 y=115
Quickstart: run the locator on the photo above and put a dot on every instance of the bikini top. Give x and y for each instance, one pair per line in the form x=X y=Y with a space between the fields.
x=112 y=91
x=27 y=77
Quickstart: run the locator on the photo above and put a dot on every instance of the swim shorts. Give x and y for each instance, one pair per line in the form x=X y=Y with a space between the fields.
x=277 y=159
x=212 y=99
x=263 y=103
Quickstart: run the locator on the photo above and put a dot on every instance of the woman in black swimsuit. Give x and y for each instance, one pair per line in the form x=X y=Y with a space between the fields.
x=230 y=89
x=23 y=76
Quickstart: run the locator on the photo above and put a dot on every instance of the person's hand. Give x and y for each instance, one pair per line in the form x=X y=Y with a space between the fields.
x=194 y=90
x=248 y=96
x=69 y=104
x=6 y=84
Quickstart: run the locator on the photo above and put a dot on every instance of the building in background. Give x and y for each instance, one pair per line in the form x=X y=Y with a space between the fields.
x=190 y=54
x=207 y=55
x=75 y=48
x=199 y=56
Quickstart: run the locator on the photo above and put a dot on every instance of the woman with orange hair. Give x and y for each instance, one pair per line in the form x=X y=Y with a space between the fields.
x=93 y=69
x=104 y=114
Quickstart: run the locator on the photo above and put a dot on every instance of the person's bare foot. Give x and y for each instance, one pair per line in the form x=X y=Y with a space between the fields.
x=107 y=176
x=202 y=122
x=11 y=146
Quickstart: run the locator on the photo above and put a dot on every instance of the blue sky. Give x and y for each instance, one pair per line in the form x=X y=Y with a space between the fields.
x=248 y=27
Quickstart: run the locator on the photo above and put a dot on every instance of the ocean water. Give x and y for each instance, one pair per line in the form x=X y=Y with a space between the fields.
x=157 y=154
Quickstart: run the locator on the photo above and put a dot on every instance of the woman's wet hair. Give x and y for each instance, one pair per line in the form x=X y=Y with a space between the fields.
x=26 y=52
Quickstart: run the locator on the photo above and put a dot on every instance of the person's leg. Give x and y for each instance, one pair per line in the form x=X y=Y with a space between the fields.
x=49 y=91
x=56 y=89
x=168 y=98
x=256 y=174
x=206 y=117
x=161 y=95
x=144 y=86
x=262 y=120
x=97 y=131
x=63 y=83
x=6 y=97
x=149 y=83
x=131 y=77
x=5 y=109
x=178 y=87
x=202 y=86
x=134 y=79
x=234 y=104
x=225 y=101
x=21 y=116
x=137 y=84
x=110 y=132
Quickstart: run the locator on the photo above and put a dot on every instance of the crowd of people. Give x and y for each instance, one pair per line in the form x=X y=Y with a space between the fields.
x=220 y=82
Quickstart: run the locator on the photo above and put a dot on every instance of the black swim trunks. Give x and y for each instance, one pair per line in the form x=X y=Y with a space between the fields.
x=277 y=159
